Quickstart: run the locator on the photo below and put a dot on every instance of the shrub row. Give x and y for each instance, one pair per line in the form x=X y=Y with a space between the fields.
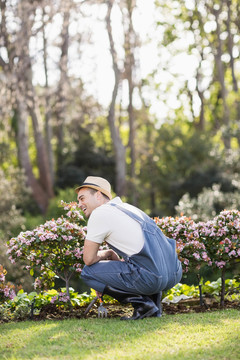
x=55 y=249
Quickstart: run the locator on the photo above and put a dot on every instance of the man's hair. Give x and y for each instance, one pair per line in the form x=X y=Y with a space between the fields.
x=93 y=191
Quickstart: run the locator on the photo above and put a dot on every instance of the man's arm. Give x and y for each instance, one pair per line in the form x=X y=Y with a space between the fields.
x=92 y=254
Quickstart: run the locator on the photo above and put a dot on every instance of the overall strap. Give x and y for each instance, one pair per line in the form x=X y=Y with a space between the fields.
x=130 y=213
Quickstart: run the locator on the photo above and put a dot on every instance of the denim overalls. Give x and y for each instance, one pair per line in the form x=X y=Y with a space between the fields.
x=155 y=268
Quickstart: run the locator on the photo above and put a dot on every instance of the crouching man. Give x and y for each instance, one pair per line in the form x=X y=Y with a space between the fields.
x=141 y=261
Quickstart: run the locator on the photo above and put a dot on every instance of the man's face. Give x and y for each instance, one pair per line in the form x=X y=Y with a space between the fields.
x=88 y=201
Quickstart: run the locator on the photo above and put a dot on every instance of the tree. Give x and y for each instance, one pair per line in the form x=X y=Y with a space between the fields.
x=18 y=67
x=210 y=30
x=120 y=151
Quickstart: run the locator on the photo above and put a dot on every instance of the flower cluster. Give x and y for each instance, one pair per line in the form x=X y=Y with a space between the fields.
x=221 y=237
x=73 y=212
x=192 y=252
x=7 y=290
x=54 y=248
x=215 y=243
x=60 y=298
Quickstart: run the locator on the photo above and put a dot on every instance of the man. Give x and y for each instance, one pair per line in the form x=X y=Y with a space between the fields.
x=141 y=261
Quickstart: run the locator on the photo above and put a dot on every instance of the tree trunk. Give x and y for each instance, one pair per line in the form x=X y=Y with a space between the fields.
x=222 y=287
x=67 y=279
x=24 y=96
x=48 y=113
x=25 y=78
x=232 y=64
x=42 y=159
x=129 y=47
x=62 y=86
x=221 y=78
x=119 y=148
x=38 y=192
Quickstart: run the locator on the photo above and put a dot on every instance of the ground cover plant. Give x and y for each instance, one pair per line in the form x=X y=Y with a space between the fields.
x=53 y=304
x=209 y=336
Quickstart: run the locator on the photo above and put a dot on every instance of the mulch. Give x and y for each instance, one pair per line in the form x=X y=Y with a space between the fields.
x=117 y=310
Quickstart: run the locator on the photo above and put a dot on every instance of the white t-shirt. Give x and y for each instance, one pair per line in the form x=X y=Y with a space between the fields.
x=107 y=223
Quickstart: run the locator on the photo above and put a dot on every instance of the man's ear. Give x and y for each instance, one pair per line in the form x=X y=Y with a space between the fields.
x=99 y=195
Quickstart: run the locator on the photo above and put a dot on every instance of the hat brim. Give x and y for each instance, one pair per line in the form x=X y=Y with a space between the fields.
x=98 y=188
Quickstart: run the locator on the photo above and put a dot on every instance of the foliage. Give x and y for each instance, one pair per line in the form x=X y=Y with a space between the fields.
x=191 y=250
x=7 y=290
x=221 y=237
x=208 y=203
x=215 y=242
x=79 y=163
x=232 y=287
x=176 y=165
x=208 y=289
x=55 y=209
x=19 y=307
x=53 y=249
x=13 y=194
x=182 y=289
x=178 y=154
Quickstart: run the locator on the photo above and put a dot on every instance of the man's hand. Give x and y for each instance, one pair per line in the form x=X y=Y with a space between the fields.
x=112 y=255
x=91 y=254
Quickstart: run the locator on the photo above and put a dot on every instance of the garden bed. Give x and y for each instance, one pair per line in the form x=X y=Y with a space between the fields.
x=117 y=310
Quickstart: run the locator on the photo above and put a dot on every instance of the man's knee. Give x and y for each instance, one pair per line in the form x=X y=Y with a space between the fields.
x=85 y=272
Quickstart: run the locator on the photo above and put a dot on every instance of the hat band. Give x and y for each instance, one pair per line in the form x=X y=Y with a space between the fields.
x=90 y=184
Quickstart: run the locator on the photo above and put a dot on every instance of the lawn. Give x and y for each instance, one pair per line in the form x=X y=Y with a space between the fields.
x=205 y=336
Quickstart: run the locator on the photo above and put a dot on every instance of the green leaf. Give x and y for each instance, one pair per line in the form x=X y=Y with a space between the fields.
x=31 y=272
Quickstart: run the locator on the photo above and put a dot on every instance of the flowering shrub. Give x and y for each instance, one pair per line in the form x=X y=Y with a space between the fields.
x=7 y=290
x=52 y=249
x=56 y=247
x=191 y=250
x=215 y=243
x=221 y=237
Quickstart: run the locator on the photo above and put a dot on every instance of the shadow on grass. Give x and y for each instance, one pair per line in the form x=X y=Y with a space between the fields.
x=213 y=335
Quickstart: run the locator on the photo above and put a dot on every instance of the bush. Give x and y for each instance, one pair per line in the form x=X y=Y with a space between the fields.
x=7 y=290
x=53 y=249
x=208 y=203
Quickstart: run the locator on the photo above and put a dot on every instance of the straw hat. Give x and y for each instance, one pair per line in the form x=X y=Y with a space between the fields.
x=97 y=183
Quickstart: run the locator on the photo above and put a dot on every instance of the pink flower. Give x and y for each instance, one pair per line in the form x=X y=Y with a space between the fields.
x=197 y=256
x=53 y=299
x=205 y=256
x=220 y=264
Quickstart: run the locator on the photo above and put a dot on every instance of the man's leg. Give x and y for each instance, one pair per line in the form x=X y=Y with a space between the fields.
x=107 y=272
x=143 y=305
x=108 y=278
x=157 y=298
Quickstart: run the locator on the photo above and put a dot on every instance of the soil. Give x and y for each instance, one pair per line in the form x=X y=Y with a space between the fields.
x=118 y=310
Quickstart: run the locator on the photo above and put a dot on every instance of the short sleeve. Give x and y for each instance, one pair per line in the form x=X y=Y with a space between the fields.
x=98 y=226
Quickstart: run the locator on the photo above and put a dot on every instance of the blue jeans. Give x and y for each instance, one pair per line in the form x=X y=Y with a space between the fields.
x=125 y=276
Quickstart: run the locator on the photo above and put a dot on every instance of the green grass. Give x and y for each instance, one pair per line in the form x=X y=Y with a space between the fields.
x=205 y=336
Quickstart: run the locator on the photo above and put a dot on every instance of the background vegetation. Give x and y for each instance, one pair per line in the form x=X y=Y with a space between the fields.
x=167 y=138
